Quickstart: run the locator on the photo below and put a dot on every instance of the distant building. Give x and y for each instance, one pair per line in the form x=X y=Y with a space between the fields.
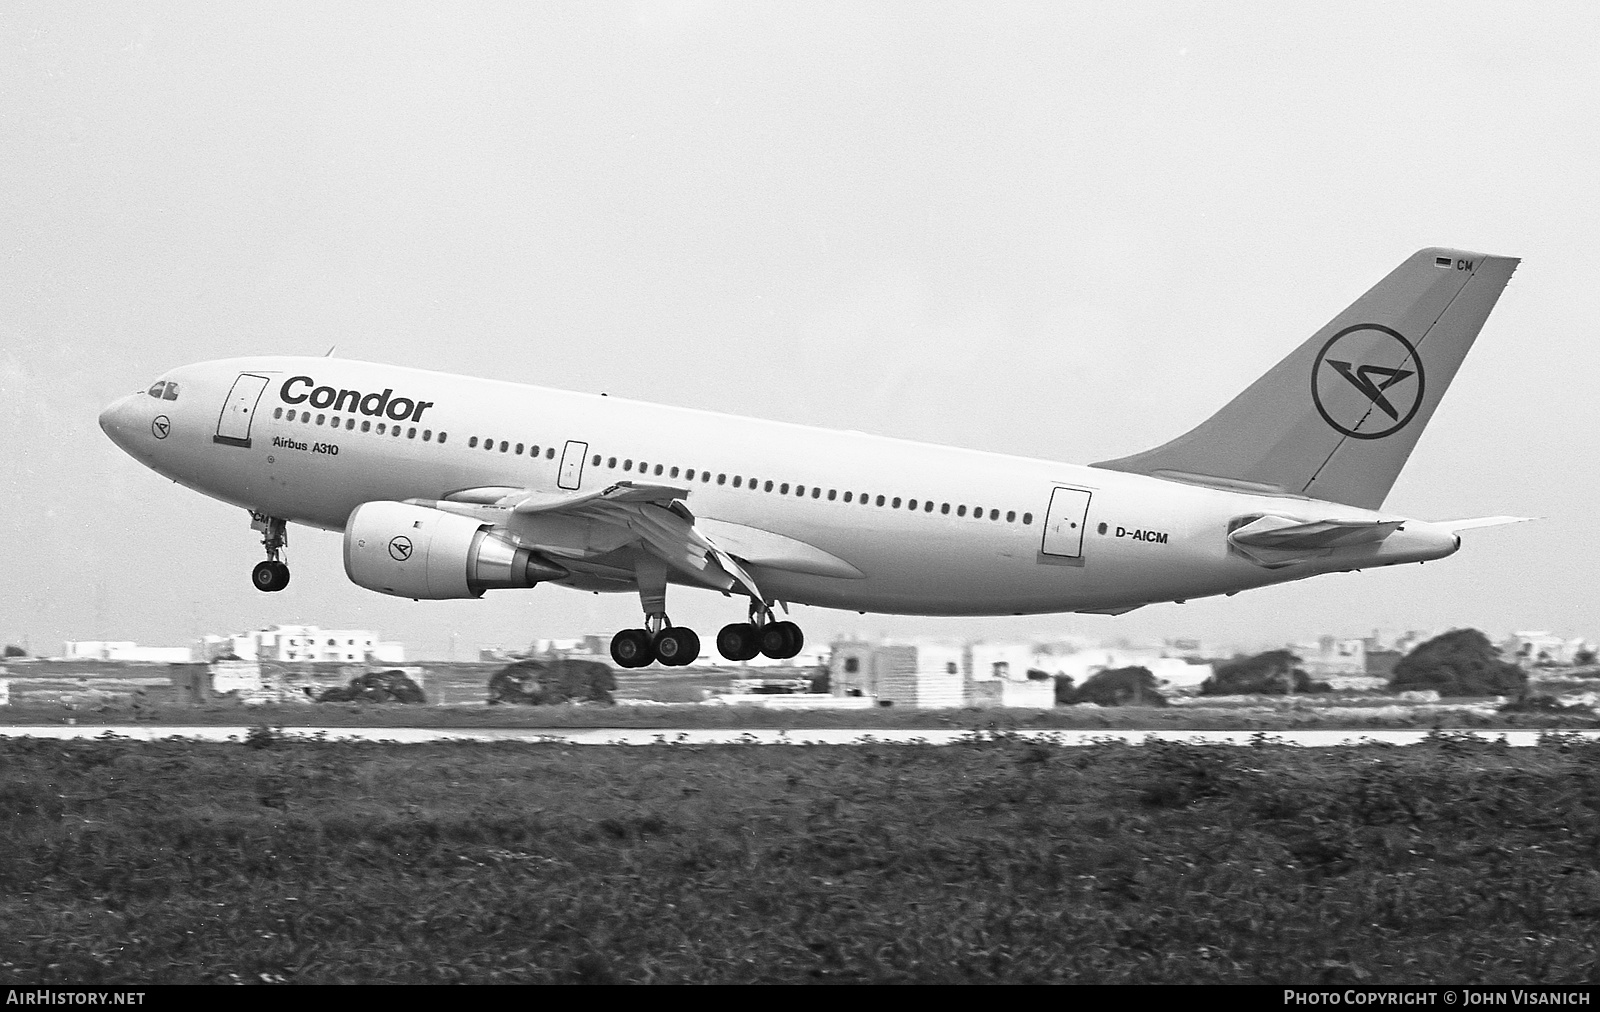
x=1333 y=656
x=930 y=673
x=305 y=643
x=1536 y=649
x=124 y=650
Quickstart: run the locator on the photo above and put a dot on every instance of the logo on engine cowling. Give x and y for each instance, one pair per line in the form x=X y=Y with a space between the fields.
x=400 y=548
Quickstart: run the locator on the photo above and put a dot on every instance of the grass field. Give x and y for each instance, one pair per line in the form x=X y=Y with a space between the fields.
x=989 y=861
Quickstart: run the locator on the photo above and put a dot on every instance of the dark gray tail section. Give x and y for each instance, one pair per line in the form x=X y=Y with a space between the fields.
x=1337 y=419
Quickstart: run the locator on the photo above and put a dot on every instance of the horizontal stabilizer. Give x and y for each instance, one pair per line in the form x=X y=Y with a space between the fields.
x=1476 y=522
x=1294 y=535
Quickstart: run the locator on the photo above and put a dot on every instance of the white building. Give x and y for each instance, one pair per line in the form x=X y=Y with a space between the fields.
x=306 y=643
x=1333 y=656
x=1532 y=649
x=931 y=673
x=124 y=650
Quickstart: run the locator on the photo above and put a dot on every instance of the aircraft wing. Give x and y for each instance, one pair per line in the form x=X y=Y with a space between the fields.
x=652 y=516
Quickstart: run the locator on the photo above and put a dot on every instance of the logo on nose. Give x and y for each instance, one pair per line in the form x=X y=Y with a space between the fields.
x=400 y=549
x=160 y=426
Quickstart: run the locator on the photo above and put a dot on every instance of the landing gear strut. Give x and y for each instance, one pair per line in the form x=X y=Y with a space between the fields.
x=271 y=575
x=674 y=646
x=761 y=635
x=659 y=640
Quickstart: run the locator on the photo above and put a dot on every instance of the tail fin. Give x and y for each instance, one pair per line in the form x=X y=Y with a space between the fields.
x=1337 y=419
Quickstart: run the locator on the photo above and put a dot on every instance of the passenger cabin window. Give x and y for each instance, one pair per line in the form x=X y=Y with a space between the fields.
x=472 y=441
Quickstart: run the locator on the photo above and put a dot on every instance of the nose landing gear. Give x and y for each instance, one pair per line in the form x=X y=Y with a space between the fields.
x=272 y=575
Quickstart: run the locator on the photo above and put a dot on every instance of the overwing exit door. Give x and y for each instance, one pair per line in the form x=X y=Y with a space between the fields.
x=1063 y=523
x=233 y=425
x=571 y=475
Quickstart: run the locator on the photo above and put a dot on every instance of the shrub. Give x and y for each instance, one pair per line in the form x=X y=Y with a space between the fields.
x=1119 y=687
x=1273 y=673
x=1064 y=684
x=376 y=687
x=544 y=683
x=821 y=682
x=1462 y=662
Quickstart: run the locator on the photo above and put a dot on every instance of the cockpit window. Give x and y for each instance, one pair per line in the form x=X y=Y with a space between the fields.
x=159 y=389
x=172 y=392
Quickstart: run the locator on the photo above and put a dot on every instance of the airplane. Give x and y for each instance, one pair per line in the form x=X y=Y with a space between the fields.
x=449 y=486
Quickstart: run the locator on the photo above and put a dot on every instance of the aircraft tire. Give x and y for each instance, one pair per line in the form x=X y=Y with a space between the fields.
x=270 y=576
x=676 y=646
x=780 y=640
x=738 y=641
x=631 y=648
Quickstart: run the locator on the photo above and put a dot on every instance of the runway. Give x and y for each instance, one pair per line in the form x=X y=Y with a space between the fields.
x=763 y=736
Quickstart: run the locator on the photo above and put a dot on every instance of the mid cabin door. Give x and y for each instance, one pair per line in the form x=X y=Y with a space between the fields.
x=233 y=425
x=1063 y=523
x=572 y=464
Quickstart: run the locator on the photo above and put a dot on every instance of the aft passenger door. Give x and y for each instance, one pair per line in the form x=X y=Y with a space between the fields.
x=571 y=475
x=1063 y=524
x=233 y=425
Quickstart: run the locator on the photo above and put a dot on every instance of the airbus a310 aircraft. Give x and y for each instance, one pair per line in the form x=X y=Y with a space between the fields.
x=447 y=486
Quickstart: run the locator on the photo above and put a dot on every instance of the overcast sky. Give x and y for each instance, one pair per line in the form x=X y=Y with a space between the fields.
x=1068 y=231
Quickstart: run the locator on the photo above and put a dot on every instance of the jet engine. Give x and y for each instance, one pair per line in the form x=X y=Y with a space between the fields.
x=417 y=552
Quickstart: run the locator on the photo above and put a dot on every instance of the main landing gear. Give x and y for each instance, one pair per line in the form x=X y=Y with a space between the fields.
x=761 y=635
x=660 y=640
x=675 y=646
x=271 y=575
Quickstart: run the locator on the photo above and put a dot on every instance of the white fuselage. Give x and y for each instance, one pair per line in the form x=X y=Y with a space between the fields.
x=1141 y=539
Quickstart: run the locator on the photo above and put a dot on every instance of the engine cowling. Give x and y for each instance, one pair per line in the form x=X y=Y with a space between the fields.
x=418 y=552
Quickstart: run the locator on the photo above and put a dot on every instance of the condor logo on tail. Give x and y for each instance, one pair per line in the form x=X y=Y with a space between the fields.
x=1390 y=394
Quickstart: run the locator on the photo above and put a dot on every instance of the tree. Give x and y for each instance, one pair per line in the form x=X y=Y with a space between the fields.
x=821 y=681
x=543 y=683
x=1583 y=658
x=1462 y=662
x=12 y=650
x=1273 y=673
x=1134 y=686
x=1064 y=690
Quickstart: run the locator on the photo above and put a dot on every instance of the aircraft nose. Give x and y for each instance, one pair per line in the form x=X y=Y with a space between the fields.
x=115 y=422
